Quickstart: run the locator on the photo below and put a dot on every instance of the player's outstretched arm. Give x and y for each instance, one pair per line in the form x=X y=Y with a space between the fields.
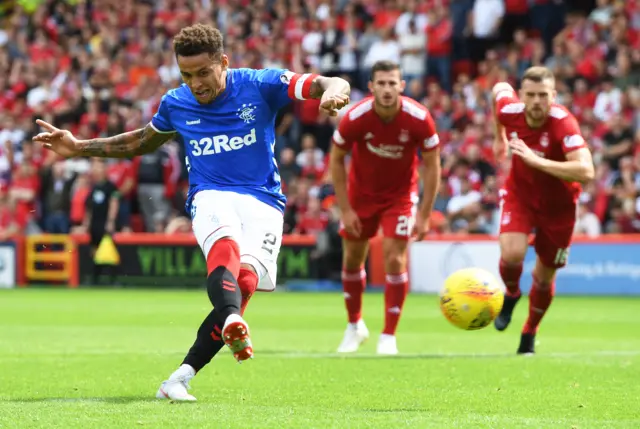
x=126 y=145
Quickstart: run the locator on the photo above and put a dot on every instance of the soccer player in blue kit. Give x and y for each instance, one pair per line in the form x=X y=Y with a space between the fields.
x=226 y=119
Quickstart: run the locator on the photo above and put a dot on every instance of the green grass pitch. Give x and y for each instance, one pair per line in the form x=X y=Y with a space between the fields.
x=95 y=358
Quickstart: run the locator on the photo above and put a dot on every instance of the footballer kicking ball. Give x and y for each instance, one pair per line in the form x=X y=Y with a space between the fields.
x=471 y=298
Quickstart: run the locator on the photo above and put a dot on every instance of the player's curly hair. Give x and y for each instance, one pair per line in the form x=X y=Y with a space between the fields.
x=198 y=39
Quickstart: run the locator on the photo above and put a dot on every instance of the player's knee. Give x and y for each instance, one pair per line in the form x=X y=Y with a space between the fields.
x=513 y=253
x=396 y=262
x=355 y=253
x=544 y=274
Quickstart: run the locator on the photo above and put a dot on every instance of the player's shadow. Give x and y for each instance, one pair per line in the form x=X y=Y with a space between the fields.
x=105 y=399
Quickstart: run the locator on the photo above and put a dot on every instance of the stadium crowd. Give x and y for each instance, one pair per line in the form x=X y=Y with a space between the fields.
x=100 y=67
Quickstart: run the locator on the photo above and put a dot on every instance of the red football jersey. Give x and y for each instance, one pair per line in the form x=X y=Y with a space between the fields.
x=384 y=156
x=557 y=137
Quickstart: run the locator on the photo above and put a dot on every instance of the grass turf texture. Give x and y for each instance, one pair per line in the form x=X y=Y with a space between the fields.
x=95 y=358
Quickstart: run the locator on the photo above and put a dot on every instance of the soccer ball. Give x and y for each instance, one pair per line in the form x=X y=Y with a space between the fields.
x=471 y=298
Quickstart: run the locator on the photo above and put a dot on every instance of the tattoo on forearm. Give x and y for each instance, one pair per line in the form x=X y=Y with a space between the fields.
x=316 y=89
x=133 y=143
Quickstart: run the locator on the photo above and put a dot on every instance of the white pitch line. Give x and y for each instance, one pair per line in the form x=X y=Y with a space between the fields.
x=289 y=355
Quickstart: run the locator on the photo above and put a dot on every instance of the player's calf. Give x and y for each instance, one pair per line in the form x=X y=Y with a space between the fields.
x=248 y=283
x=223 y=263
x=540 y=298
x=510 y=272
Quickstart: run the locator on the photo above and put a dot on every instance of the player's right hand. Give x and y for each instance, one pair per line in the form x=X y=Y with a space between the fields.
x=351 y=223
x=59 y=141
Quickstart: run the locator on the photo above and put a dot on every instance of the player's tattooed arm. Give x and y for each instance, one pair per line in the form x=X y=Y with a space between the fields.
x=134 y=143
x=335 y=85
x=65 y=144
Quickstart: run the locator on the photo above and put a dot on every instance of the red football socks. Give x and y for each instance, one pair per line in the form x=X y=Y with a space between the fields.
x=248 y=282
x=510 y=274
x=353 y=285
x=540 y=298
x=395 y=292
x=224 y=253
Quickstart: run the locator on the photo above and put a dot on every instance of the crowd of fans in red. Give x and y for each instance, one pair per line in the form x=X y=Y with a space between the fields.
x=100 y=67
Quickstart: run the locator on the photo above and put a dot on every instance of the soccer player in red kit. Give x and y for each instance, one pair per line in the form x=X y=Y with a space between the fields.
x=384 y=134
x=550 y=161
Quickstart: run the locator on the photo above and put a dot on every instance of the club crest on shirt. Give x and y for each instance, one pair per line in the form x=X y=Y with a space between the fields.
x=544 y=140
x=246 y=113
x=404 y=136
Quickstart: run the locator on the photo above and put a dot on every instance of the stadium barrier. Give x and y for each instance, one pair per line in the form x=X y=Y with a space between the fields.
x=151 y=260
x=607 y=265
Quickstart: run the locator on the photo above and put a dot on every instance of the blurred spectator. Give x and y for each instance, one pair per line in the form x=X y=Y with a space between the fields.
x=587 y=223
x=618 y=142
x=102 y=209
x=463 y=208
x=56 y=191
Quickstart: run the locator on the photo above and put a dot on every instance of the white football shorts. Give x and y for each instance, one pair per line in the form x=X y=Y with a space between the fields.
x=254 y=225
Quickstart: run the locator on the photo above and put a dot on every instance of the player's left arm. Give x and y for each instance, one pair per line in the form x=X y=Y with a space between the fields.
x=577 y=168
x=279 y=86
x=431 y=172
x=333 y=92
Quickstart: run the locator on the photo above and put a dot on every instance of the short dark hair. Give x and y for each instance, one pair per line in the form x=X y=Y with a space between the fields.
x=198 y=39
x=383 y=66
x=538 y=74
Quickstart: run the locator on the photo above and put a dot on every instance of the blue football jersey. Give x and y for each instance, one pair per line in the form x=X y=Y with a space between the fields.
x=230 y=142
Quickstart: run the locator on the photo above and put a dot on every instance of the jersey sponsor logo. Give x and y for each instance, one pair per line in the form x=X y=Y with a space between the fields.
x=246 y=113
x=575 y=140
x=221 y=143
x=404 y=136
x=386 y=150
x=194 y=122
x=368 y=136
